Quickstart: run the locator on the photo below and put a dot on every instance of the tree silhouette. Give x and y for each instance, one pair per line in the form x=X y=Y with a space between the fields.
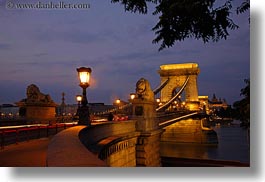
x=242 y=107
x=243 y=7
x=182 y=19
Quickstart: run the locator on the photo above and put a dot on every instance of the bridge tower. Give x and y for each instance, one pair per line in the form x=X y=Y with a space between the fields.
x=177 y=75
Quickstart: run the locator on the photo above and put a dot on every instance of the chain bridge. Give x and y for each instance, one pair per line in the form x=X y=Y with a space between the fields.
x=176 y=96
x=171 y=112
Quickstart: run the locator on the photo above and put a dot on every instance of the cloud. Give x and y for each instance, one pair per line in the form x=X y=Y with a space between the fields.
x=40 y=54
x=73 y=36
x=48 y=46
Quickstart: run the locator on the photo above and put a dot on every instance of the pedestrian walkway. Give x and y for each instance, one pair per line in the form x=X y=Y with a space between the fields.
x=25 y=154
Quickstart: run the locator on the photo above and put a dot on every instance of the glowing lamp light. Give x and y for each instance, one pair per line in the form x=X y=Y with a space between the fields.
x=79 y=98
x=118 y=101
x=84 y=76
x=132 y=96
x=158 y=100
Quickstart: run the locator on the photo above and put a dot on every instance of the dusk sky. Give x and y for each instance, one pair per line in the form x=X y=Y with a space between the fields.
x=44 y=47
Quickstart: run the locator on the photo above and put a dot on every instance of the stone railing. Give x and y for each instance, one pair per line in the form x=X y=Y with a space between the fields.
x=120 y=152
x=114 y=147
x=91 y=135
x=113 y=142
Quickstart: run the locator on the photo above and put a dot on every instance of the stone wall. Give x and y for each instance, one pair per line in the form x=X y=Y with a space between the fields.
x=148 y=149
x=38 y=114
x=121 y=154
x=113 y=142
x=189 y=131
x=96 y=133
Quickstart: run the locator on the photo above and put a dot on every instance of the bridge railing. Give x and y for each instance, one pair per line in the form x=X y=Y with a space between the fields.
x=123 y=109
x=15 y=134
x=111 y=141
x=114 y=147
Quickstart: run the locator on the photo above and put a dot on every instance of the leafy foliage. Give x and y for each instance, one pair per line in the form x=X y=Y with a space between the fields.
x=242 y=107
x=243 y=7
x=182 y=19
x=225 y=113
x=134 y=5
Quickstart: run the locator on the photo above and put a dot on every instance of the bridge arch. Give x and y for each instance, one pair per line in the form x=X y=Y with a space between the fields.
x=177 y=75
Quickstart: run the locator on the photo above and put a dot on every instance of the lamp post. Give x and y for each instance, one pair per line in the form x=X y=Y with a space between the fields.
x=78 y=99
x=84 y=76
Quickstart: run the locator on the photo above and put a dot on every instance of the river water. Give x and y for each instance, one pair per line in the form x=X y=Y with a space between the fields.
x=233 y=145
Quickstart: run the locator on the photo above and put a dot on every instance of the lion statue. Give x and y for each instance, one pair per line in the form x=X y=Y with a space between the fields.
x=143 y=90
x=34 y=95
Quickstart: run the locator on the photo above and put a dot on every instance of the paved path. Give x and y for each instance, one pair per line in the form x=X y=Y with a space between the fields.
x=25 y=154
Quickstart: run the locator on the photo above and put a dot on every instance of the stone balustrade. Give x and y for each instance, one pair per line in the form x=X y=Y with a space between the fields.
x=113 y=142
x=95 y=133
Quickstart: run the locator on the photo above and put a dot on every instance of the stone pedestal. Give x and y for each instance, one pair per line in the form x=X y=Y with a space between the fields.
x=39 y=107
x=148 y=143
x=84 y=118
x=40 y=114
x=145 y=115
x=148 y=149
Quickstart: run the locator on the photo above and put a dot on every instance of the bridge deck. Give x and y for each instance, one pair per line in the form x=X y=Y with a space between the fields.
x=25 y=154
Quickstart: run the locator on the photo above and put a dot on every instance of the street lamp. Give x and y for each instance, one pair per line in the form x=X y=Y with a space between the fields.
x=79 y=99
x=118 y=101
x=183 y=104
x=84 y=76
x=132 y=96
